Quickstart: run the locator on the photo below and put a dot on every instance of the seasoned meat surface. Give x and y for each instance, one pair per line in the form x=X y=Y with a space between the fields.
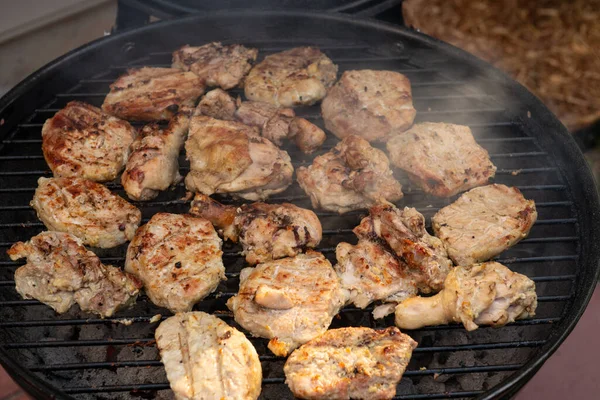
x=178 y=258
x=85 y=209
x=206 y=359
x=272 y=121
x=403 y=232
x=152 y=94
x=217 y=104
x=479 y=294
x=299 y=76
x=83 y=141
x=350 y=363
x=369 y=272
x=290 y=300
x=442 y=159
x=351 y=176
x=216 y=64
x=484 y=222
x=375 y=105
x=266 y=231
x=153 y=165
x=228 y=157
x=306 y=135
x=61 y=272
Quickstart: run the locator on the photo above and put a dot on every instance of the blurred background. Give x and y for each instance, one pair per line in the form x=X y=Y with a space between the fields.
x=550 y=46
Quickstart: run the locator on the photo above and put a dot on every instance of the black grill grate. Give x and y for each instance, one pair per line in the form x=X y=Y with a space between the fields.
x=104 y=358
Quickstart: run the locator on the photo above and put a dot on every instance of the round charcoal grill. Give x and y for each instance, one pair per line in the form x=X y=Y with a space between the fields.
x=76 y=355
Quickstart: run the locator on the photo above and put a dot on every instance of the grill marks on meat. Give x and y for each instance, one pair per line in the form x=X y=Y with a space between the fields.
x=353 y=175
x=299 y=76
x=85 y=209
x=442 y=159
x=372 y=104
x=484 y=222
x=290 y=301
x=61 y=272
x=350 y=363
x=217 y=65
x=207 y=359
x=153 y=165
x=152 y=94
x=479 y=294
x=266 y=231
x=83 y=141
x=229 y=157
x=178 y=258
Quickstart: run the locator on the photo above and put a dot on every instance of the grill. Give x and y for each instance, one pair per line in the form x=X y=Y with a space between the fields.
x=75 y=356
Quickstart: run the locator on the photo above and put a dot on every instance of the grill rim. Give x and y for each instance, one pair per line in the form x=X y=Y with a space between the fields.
x=575 y=170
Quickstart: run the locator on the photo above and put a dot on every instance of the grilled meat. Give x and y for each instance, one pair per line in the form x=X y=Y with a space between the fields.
x=266 y=231
x=206 y=359
x=403 y=232
x=228 y=157
x=85 y=209
x=152 y=94
x=217 y=104
x=289 y=301
x=306 y=135
x=153 y=165
x=442 y=159
x=178 y=258
x=350 y=363
x=217 y=65
x=61 y=272
x=372 y=104
x=351 y=176
x=480 y=294
x=484 y=222
x=299 y=76
x=83 y=141
x=272 y=121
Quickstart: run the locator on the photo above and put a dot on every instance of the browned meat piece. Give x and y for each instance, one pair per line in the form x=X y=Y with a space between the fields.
x=228 y=157
x=178 y=258
x=290 y=301
x=153 y=165
x=484 y=222
x=217 y=65
x=83 y=141
x=85 y=209
x=307 y=136
x=272 y=121
x=351 y=176
x=266 y=231
x=61 y=272
x=372 y=104
x=152 y=94
x=350 y=363
x=480 y=294
x=442 y=159
x=403 y=232
x=294 y=77
x=369 y=273
x=217 y=104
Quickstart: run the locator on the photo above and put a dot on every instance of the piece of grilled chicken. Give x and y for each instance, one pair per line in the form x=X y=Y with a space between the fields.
x=152 y=94
x=229 y=157
x=266 y=231
x=299 y=76
x=178 y=258
x=82 y=141
x=85 y=209
x=350 y=363
x=216 y=64
x=60 y=272
x=403 y=232
x=480 y=294
x=484 y=222
x=353 y=175
x=206 y=359
x=153 y=165
x=289 y=301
